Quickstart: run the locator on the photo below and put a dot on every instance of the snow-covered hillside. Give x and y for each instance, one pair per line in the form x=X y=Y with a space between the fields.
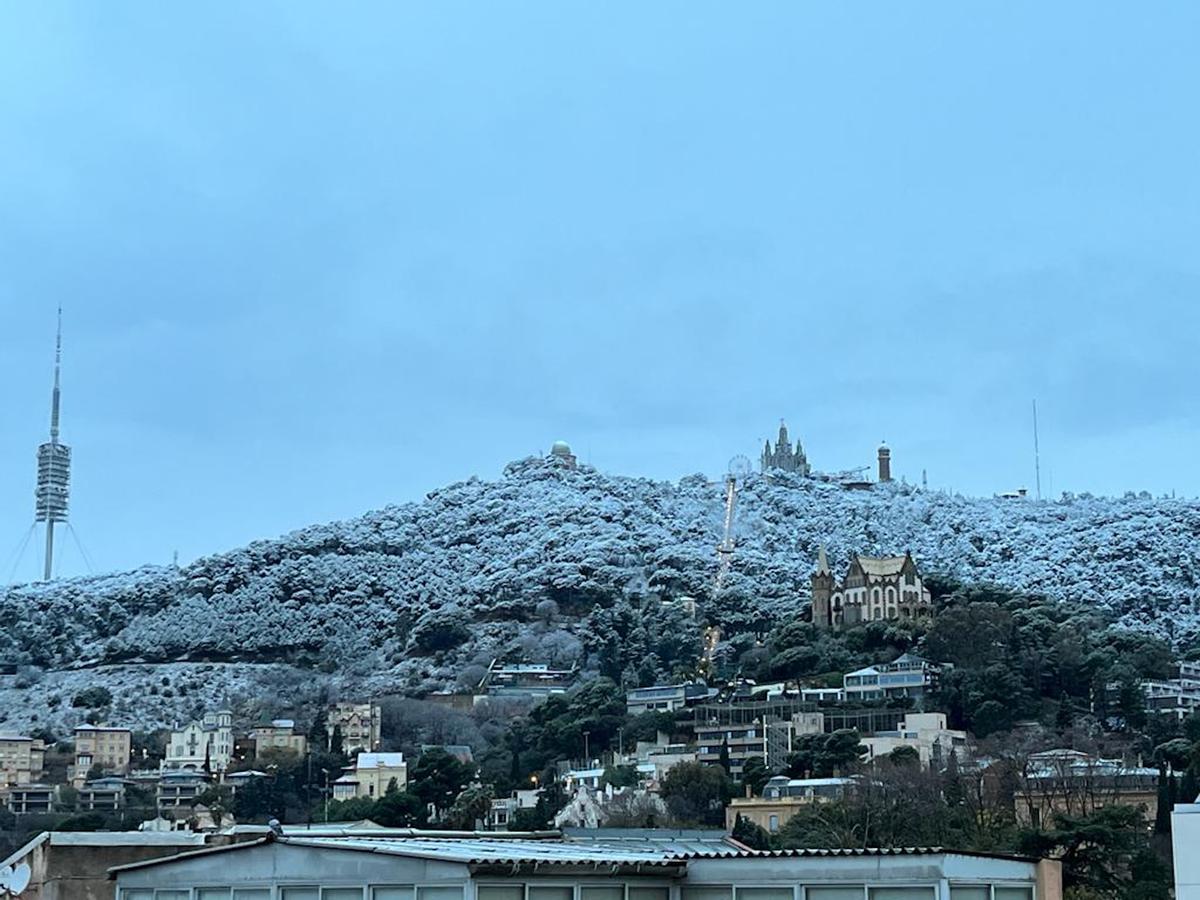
x=372 y=598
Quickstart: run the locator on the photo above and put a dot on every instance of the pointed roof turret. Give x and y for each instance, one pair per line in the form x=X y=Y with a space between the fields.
x=823 y=562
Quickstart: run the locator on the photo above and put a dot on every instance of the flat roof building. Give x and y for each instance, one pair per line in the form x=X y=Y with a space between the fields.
x=470 y=867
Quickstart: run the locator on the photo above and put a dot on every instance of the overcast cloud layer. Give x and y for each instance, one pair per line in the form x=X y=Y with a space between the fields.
x=314 y=259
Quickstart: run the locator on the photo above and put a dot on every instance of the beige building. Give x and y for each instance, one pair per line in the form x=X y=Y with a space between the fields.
x=924 y=732
x=782 y=798
x=873 y=589
x=371 y=775
x=21 y=759
x=281 y=734
x=100 y=745
x=360 y=724
x=1076 y=783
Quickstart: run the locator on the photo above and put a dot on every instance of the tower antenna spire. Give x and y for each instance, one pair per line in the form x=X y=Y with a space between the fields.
x=54 y=466
x=1037 y=460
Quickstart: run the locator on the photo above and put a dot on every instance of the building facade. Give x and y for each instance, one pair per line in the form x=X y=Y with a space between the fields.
x=873 y=589
x=467 y=868
x=782 y=798
x=783 y=457
x=906 y=676
x=371 y=776
x=924 y=732
x=100 y=745
x=207 y=743
x=666 y=697
x=361 y=725
x=21 y=759
x=280 y=734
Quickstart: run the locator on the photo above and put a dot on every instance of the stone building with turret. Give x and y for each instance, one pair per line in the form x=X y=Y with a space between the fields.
x=873 y=589
x=783 y=456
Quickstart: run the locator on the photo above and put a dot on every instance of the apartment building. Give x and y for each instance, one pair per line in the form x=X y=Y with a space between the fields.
x=279 y=734
x=924 y=732
x=361 y=725
x=907 y=676
x=21 y=759
x=107 y=794
x=527 y=681
x=32 y=798
x=667 y=697
x=100 y=745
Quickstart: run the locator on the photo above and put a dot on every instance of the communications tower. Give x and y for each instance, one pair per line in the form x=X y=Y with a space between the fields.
x=53 y=468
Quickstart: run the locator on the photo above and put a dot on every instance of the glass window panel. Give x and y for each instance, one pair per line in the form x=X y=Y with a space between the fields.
x=1014 y=893
x=547 y=892
x=970 y=892
x=341 y=893
x=647 y=893
x=171 y=895
x=602 y=892
x=839 y=892
x=252 y=894
x=708 y=892
x=440 y=892
x=295 y=893
x=902 y=893
x=502 y=892
x=765 y=893
x=392 y=892
x=137 y=895
x=210 y=893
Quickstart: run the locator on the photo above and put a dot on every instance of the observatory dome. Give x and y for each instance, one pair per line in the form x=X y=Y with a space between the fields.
x=561 y=448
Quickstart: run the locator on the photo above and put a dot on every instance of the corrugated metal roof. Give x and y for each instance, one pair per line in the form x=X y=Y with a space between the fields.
x=476 y=851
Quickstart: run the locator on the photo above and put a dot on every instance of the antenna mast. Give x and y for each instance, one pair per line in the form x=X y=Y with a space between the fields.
x=53 y=468
x=1037 y=461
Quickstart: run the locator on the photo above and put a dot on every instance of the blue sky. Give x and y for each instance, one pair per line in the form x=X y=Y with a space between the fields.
x=316 y=258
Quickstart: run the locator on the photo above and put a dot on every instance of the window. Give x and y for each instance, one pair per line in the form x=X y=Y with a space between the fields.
x=783 y=892
x=970 y=892
x=501 y=892
x=548 y=892
x=440 y=892
x=707 y=892
x=773 y=823
x=295 y=893
x=902 y=893
x=647 y=893
x=137 y=895
x=1014 y=893
x=842 y=892
x=252 y=894
x=603 y=892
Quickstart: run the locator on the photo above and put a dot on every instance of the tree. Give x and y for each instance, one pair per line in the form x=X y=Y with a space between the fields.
x=470 y=808
x=821 y=755
x=620 y=776
x=439 y=777
x=1104 y=851
x=398 y=809
x=93 y=698
x=905 y=755
x=753 y=836
x=696 y=794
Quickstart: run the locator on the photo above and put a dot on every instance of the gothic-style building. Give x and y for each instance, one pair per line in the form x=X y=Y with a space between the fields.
x=886 y=587
x=783 y=457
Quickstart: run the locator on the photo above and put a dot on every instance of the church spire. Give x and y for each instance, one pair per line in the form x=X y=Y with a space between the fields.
x=823 y=562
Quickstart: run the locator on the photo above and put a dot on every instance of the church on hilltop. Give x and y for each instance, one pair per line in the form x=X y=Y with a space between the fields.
x=783 y=456
x=875 y=588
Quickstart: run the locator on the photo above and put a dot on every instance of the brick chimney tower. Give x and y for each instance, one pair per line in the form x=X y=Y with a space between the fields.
x=885 y=463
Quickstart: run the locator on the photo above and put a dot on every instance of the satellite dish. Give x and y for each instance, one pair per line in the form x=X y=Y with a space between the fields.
x=14 y=881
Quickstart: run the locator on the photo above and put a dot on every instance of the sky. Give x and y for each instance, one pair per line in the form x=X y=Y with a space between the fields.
x=314 y=259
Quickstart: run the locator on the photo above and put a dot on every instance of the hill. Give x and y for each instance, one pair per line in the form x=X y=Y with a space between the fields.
x=559 y=564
